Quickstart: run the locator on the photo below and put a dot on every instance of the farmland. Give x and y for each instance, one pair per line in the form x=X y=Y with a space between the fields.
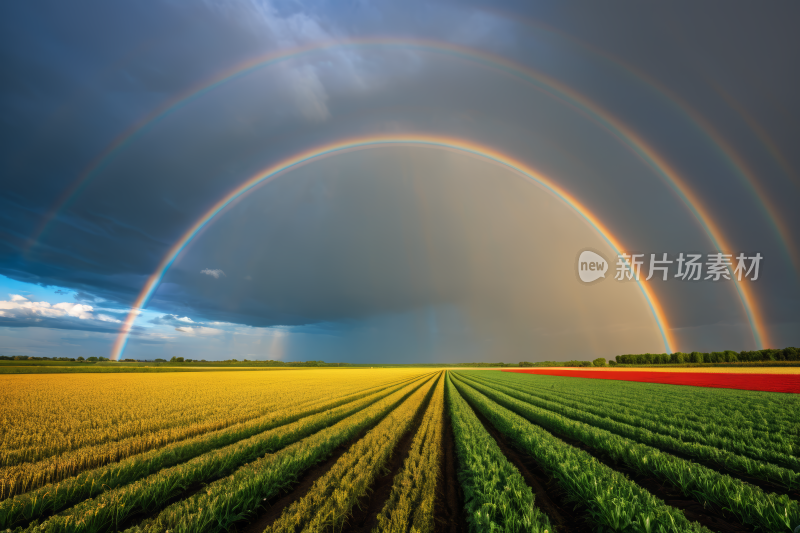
x=392 y=450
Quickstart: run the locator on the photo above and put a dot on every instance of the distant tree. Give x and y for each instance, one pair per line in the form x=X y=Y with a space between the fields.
x=92 y=359
x=525 y=363
x=611 y=362
x=600 y=361
x=160 y=361
x=80 y=359
x=791 y=354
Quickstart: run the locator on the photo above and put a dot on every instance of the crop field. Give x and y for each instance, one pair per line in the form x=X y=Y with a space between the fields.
x=392 y=450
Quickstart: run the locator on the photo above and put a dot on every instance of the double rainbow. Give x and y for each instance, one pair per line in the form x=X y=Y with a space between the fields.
x=537 y=80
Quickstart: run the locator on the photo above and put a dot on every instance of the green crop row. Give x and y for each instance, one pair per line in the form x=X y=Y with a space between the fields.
x=735 y=412
x=332 y=497
x=613 y=502
x=763 y=412
x=146 y=495
x=753 y=506
x=742 y=441
x=723 y=459
x=410 y=506
x=496 y=497
x=237 y=497
x=710 y=433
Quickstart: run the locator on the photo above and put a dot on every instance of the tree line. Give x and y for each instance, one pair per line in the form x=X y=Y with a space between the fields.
x=728 y=356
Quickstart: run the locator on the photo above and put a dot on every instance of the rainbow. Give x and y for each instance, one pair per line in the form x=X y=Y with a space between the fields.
x=448 y=143
x=634 y=142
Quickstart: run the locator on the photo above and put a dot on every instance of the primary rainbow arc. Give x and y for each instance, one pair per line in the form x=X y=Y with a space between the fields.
x=448 y=143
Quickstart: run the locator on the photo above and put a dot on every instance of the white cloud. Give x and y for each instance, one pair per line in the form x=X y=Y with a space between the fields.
x=19 y=307
x=215 y=273
x=184 y=319
x=199 y=331
x=81 y=311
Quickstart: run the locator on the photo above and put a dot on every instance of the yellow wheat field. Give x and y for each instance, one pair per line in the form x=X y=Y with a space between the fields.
x=81 y=421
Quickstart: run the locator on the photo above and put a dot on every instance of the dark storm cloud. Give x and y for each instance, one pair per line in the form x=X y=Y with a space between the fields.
x=313 y=252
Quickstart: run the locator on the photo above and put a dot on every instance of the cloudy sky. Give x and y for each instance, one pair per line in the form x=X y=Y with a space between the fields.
x=617 y=127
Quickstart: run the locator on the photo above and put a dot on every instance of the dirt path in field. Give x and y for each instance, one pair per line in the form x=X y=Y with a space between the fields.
x=364 y=517
x=549 y=496
x=449 y=505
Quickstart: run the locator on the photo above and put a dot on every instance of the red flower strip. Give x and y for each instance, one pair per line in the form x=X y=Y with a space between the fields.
x=758 y=382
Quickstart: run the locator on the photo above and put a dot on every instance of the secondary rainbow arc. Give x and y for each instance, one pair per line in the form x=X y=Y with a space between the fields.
x=457 y=145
